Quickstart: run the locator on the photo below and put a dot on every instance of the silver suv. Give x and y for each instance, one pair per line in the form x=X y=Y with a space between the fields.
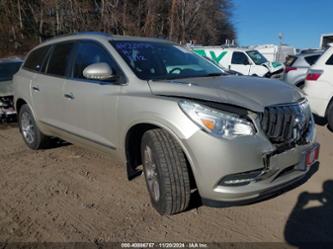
x=153 y=103
x=298 y=66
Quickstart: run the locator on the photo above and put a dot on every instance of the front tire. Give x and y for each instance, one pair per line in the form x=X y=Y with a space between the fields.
x=32 y=136
x=166 y=172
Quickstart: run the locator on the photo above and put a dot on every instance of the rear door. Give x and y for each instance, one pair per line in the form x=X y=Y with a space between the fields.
x=240 y=63
x=47 y=87
x=34 y=63
x=91 y=105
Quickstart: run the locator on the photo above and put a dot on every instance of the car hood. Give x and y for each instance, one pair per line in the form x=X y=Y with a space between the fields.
x=253 y=93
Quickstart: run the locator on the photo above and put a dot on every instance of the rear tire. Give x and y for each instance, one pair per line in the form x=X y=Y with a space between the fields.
x=330 y=116
x=300 y=84
x=32 y=136
x=166 y=172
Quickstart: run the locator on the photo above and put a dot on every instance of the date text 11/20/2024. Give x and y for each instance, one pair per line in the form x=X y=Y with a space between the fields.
x=164 y=245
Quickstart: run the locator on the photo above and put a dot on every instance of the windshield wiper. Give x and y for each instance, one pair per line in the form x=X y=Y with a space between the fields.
x=176 y=77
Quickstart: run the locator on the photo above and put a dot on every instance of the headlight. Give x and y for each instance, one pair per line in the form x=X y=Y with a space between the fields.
x=216 y=122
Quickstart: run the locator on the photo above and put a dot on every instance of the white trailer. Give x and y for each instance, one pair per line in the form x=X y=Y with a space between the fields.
x=325 y=40
x=274 y=52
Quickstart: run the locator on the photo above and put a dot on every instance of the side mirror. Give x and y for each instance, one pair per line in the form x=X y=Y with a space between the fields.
x=98 y=71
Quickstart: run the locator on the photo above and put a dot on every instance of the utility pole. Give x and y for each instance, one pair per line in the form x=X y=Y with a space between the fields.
x=281 y=36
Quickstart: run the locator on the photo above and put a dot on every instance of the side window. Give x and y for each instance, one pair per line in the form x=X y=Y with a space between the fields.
x=330 y=60
x=59 y=59
x=239 y=58
x=88 y=53
x=36 y=58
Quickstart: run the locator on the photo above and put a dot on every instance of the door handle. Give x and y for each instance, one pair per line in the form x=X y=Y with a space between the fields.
x=35 y=88
x=69 y=96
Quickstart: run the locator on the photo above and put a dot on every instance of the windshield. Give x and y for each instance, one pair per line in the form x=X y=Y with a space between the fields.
x=159 y=60
x=7 y=70
x=257 y=57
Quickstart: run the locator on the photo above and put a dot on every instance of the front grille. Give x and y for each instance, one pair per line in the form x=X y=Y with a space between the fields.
x=286 y=123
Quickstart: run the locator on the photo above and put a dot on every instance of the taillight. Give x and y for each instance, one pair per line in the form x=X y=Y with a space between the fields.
x=314 y=74
x=288 y=69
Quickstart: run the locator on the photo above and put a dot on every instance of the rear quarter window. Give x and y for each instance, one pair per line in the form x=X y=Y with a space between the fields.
x=311 y=59
x=35 y=59
x=330 y=60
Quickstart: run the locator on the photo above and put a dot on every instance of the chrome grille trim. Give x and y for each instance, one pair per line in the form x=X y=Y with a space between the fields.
x=286 y=123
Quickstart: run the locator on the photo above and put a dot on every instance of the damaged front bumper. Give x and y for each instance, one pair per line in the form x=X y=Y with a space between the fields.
x=7 y=110
x=247 y=168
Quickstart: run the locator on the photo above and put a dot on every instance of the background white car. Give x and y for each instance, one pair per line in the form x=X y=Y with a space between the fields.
x=319 y=86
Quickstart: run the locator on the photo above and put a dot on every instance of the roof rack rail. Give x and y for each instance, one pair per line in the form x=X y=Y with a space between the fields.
x=93 y=33
x=80 y=33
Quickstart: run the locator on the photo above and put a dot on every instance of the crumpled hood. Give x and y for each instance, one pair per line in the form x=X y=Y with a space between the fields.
x=273 y=66
x=253 y=93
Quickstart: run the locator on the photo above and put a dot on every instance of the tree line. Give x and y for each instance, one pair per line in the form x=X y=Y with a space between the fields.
x=25 y=23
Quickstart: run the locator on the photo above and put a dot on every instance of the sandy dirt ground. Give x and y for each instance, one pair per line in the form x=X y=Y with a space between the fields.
x=72 y=194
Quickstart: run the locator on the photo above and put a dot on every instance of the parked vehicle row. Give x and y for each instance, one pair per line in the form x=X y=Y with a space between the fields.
x=154 y=103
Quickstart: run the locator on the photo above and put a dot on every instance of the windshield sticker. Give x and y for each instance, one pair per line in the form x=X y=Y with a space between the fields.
x=132 y=50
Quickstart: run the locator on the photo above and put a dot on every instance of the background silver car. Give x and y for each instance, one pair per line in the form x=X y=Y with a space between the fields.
x=298 y=66
x=8 y=67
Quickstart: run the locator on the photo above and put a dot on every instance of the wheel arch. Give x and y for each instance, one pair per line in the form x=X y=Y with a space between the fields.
x=300 y=83
x=19 y=103
x=133 y=140
x=330 y=104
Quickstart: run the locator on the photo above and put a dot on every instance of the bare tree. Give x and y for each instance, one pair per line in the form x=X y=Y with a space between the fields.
x=24 y=24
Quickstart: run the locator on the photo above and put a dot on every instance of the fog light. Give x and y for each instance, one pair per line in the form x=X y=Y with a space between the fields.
x=240 y=179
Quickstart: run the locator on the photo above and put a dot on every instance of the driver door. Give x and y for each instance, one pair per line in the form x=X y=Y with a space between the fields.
x=240 y=63
x=91 y=105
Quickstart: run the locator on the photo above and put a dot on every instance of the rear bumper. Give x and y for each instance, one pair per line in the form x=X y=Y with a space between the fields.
x=319 y=95
x=318 y=106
